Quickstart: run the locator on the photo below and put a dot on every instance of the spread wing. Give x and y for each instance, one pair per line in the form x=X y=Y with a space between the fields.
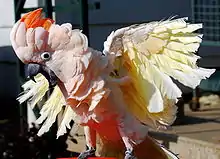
x=34 y=92
x=150 y=54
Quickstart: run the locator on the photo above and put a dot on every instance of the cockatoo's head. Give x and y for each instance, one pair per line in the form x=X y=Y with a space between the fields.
x=29 y=37
x=50 y=49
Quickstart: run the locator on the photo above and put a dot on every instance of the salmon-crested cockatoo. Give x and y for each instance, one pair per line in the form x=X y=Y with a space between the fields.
x=118 y=94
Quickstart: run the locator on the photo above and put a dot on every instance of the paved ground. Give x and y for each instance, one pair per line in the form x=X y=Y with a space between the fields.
x=202 y=125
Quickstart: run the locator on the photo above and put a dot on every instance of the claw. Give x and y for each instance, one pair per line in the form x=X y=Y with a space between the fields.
x=129 y=155
x=86 y=154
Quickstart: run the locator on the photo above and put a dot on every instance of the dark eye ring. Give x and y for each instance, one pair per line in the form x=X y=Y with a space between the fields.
x=45 y=56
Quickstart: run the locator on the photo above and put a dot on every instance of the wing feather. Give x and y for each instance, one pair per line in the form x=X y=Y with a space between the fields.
x=34 y=93
x=152 y=54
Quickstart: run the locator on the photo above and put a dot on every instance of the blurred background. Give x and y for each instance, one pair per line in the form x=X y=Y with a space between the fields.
x=199 y=110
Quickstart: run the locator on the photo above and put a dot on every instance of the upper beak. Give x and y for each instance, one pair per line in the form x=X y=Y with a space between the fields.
x=34 y=69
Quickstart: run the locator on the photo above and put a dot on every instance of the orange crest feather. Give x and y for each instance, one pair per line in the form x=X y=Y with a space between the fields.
x=34 y=19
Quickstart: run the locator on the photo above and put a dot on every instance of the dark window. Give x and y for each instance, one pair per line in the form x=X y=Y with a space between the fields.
x=208 y=13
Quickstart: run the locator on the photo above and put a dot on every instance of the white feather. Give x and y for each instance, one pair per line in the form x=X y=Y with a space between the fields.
x=189 y=29
x=50 y=110
x=34 y=92
x=68 y=116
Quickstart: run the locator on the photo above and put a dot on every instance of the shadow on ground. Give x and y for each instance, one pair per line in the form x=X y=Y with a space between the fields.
x=198 y=120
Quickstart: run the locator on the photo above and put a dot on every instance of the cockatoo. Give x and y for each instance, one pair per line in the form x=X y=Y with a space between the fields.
x=117 y=94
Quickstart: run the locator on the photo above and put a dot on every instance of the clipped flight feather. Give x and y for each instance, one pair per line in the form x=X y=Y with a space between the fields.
x=191 y=79
x=164 y=48
x=187 y=39
x=188 y=59
x=50 y=110
x=189 y=29
x=68 y=116
x=185 y=74
x=177 y=46
x=162 y=85
x=170 y=25
x=34 y=92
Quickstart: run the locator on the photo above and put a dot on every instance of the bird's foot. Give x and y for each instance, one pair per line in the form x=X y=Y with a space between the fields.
x=86 y=154
x=129 y=155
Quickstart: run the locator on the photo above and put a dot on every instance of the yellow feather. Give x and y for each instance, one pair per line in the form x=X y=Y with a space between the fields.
x=188 y=59
x=34 y=92
x=164 y=26
x=187 y=39
x=177 y=46
x=50 y=110
x=188 y=29
x=151 y=53
x=152 y=45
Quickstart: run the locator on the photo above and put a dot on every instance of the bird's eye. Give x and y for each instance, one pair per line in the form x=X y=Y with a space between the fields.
x=45 y=56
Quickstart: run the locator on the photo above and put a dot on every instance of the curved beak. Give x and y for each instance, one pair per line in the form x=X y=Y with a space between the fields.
x=33 y=69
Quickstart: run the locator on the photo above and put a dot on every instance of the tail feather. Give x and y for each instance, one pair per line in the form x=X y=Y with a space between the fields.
x=148 y=149
x=170 y=154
